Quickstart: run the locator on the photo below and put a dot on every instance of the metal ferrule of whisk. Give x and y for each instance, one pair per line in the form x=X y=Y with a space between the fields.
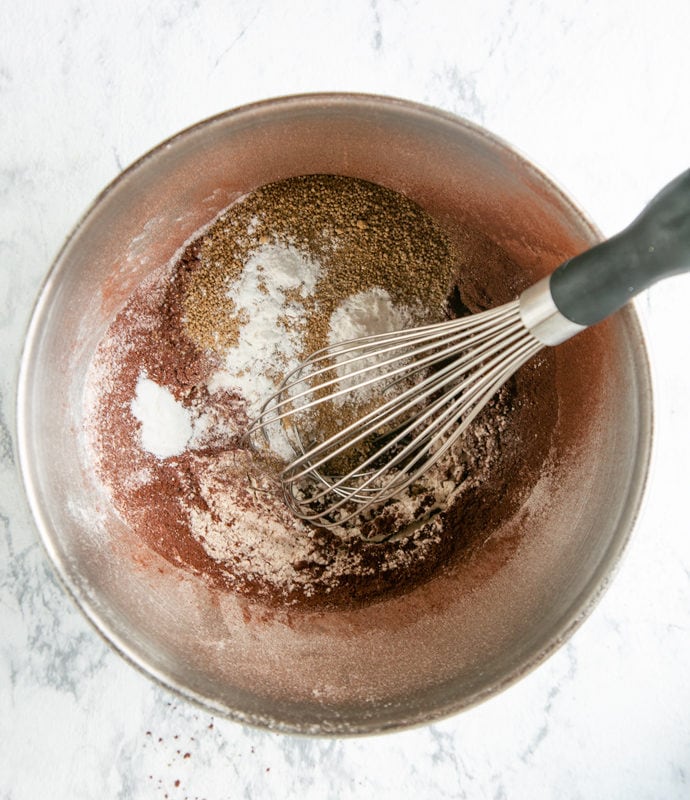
x=363 y=421
x=541 y=316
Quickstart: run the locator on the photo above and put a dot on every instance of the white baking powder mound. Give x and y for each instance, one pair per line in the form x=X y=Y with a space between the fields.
x=166 y=425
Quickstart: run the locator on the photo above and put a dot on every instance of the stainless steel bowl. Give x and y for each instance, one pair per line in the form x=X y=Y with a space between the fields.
x=448 y=644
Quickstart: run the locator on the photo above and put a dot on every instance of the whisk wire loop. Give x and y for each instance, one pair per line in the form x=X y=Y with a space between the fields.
x=456 y=338
x=443 y=375
x=416 y=456
x=401 y=404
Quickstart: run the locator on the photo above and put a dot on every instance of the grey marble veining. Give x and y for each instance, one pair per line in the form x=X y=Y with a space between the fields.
x=596 y=94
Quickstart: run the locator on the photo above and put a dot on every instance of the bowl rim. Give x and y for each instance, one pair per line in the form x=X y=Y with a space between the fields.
x=596 y=586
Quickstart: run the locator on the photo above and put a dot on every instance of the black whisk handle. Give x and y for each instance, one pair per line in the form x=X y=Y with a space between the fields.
x=656 y=245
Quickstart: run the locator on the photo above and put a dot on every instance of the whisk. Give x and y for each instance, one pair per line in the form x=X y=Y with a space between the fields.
x=366 y=419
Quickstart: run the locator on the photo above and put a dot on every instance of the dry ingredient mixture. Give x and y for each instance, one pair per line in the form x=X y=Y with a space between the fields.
x=284 y=271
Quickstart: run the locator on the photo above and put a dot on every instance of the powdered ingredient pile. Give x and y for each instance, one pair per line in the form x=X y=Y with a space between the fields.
x=281 y=273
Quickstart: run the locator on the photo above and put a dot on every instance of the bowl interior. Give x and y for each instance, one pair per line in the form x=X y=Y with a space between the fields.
x=447 y=644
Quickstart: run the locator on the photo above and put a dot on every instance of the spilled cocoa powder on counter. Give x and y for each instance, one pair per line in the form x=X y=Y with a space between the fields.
x=202 y=341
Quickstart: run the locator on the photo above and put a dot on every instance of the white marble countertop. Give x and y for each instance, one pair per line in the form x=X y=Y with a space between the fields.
x=594 y=92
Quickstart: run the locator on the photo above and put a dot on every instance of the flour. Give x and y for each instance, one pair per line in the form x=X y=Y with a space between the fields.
x=268 y=301
x=366 y=314
x=244 y=522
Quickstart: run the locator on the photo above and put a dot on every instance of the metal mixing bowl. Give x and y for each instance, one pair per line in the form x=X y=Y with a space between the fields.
x=448 y=644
